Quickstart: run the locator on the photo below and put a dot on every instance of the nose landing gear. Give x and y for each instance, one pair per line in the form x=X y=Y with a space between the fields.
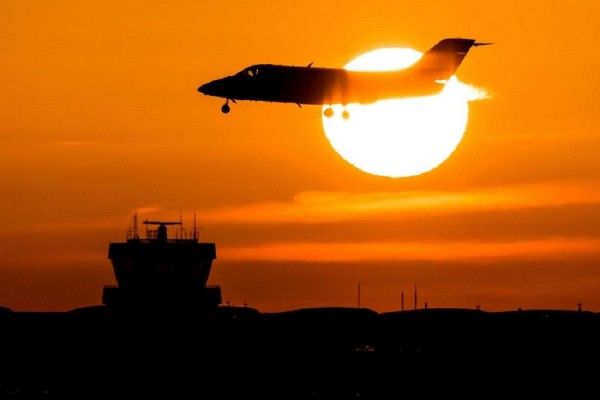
x=225 y=107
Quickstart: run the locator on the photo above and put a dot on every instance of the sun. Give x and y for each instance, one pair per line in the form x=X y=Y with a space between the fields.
x=404 y=137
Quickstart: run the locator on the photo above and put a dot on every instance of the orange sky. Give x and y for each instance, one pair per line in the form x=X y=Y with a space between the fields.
x=100 y=117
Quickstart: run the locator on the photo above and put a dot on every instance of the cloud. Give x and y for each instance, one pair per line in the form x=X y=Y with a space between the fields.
x=409 y=250
x=85 y=223
x=329 y=207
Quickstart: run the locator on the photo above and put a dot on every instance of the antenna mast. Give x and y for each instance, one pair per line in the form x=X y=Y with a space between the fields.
x=195 y=234
x=402 y=301
x=415 y=296
x=133 y=233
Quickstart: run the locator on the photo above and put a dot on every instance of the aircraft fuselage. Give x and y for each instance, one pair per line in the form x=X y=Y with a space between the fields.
x=319 y=86
x=327 y=86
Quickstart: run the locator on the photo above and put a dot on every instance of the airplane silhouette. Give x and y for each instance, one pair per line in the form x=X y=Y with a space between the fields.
x=327 y=86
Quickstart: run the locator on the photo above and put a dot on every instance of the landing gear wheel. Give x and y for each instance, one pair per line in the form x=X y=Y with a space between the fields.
x=328 y=113
x=225 y=109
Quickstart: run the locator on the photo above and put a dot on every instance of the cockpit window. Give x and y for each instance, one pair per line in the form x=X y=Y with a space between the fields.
x=251 y=71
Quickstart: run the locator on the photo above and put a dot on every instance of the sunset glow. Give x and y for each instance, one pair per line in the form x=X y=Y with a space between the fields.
x=412 y=251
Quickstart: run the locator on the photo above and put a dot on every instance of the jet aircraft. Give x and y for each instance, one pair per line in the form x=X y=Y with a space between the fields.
x=327 y=86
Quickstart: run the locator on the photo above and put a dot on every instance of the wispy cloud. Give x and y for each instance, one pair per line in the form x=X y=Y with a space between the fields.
x=391 y=251
x=324 y=207
x=84 y=223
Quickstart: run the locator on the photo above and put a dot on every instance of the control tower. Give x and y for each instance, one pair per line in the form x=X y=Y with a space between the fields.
x=158 y=271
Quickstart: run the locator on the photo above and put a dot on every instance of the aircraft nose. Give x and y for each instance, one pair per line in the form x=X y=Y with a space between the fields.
x=212 y=88
x=204 y=88
x=218 y=88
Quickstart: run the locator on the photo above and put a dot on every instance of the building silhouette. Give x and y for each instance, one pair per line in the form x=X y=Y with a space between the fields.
x=162 y=331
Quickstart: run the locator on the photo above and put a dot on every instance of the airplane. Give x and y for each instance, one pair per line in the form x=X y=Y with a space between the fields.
x=328 y=86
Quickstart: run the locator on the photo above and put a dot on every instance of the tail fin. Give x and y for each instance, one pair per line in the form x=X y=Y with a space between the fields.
x=445 y=57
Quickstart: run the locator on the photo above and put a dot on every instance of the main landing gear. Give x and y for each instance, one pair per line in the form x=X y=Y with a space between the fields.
x=328 y=113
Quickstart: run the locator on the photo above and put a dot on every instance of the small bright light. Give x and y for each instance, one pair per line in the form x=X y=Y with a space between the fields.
x=404 y=137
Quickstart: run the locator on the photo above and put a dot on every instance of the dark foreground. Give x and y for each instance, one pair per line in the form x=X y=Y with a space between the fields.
x=329 y=353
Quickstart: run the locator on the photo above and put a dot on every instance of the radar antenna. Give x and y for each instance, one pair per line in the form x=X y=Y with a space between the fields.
x=161 y=232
